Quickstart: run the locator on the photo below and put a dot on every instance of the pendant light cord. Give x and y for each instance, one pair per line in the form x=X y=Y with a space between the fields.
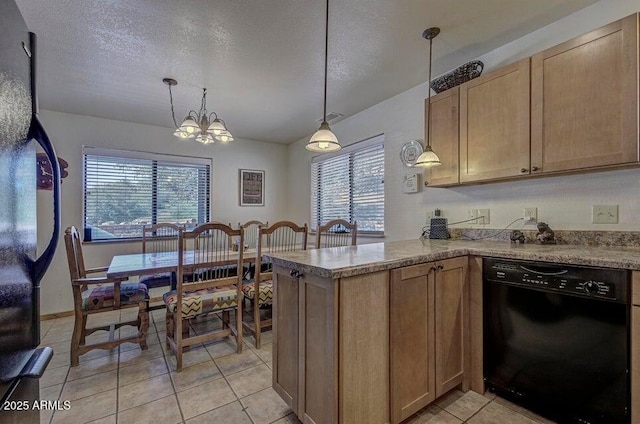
x=429 y=100
x=326 y=55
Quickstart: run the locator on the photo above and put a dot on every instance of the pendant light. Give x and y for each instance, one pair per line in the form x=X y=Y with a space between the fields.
x=324 y=140
x=428 y=158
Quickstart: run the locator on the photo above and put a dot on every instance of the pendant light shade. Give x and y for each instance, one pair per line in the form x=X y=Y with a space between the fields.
x=324 y=140
x=428 y=158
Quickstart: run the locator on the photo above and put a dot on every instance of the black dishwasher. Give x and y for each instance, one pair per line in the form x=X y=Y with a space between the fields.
x=556 y=339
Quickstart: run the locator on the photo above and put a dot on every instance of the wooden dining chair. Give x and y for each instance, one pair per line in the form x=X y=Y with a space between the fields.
x=94 y=295
x=160 y=238
x=251 y=242
x=282 y=236
x=208 y=283
x=337 y=232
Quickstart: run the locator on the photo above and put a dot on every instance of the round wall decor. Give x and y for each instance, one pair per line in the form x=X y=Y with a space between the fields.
x=410 y=152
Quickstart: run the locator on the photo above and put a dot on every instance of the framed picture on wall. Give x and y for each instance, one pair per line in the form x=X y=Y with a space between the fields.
x=251 y=187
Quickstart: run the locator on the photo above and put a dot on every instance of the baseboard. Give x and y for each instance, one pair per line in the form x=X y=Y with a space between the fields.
x=56 y=315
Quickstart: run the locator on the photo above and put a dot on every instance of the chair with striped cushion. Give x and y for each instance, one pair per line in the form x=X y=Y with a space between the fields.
x=336 y=233
x=207 y=284
x=159 y=238
x=251 y=242
x=283 y=236
x=93 y=295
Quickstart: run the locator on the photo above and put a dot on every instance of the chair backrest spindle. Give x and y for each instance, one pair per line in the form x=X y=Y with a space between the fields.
x=335 y=233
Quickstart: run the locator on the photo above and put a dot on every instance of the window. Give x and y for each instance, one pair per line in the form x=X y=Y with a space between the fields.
x=125 y=190
x=350 y=185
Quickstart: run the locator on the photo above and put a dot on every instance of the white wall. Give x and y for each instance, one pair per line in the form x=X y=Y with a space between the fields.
x=563 y=202
x=70 y=132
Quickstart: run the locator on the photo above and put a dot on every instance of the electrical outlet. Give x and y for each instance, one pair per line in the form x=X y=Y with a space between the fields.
x=473 y=215
x=604 y=214
x=483 y=216
x=530 y=214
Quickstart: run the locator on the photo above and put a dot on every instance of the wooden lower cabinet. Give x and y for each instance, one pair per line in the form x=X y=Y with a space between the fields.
x=331 y=347
x=428 y=333
x=285 y=339
x=413 y=383
x=451 y=324
x=373 y=348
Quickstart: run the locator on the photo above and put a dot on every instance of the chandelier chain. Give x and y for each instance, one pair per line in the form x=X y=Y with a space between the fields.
x=173 y=115
x=203 y=104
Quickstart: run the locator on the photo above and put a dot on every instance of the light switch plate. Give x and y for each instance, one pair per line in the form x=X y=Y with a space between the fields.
x=604 y=214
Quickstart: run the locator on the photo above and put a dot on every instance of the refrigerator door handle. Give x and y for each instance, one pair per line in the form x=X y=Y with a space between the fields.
x=40 y=265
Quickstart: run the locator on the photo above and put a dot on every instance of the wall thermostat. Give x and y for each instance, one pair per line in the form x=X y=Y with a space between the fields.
x=410 y=183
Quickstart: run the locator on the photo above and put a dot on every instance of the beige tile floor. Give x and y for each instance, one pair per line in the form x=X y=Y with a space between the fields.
x=127 y=385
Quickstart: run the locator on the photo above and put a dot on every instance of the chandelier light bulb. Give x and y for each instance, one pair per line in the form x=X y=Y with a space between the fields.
x=216 y=127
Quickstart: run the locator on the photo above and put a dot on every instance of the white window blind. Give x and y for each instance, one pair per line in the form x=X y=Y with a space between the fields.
x=123 y=191
x=350 y=186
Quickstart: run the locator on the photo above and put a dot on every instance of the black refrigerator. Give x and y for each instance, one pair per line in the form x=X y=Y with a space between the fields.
x=21 y=361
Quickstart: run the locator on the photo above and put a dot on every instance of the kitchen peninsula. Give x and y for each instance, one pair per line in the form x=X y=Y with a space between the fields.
x=373 y=333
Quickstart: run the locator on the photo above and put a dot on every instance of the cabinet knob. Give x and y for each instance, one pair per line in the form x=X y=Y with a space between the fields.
x=523 y=170
x=440 y=267
x=433 y=268
x=534 y=168
x=295 y=273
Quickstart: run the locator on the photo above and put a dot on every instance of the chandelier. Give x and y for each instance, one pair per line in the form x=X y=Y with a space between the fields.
x=199 y=125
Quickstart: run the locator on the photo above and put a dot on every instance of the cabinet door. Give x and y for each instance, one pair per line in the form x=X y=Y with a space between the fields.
x=451 y=323
x=364 y=349
x=444 y=137
x=411 y=340
x=585 y=100
x=494 y=124
x=285 y=337
x=318 y=350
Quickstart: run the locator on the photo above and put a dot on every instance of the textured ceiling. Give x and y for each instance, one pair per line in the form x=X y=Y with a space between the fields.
x=261 y=61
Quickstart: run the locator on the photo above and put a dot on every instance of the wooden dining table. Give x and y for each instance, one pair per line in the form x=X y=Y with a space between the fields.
x=131 y=265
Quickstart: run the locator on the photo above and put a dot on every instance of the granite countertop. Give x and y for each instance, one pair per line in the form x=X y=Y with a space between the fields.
x=348 y=261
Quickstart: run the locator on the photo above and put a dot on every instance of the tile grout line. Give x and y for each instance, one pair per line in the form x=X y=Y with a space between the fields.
x=166 y=364
x=244 y=409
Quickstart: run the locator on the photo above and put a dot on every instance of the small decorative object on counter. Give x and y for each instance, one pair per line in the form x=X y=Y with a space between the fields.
x=463 y=73
x=517 y=237
x=545 y=234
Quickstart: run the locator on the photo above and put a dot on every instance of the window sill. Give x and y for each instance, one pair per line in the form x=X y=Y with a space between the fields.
x=114 y=240
x=365 y=235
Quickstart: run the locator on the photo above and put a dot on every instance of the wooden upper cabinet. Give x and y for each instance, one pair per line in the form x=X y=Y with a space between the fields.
x=444 y=137
x=494 y=124
x=585 y=100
